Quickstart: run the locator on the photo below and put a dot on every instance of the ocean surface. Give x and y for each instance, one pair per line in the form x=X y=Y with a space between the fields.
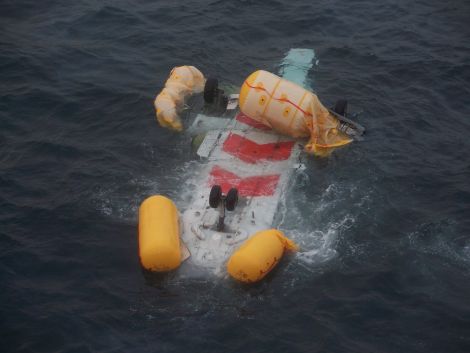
x=384 y=224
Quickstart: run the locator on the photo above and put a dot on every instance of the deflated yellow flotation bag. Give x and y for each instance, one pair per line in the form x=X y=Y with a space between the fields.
x=183 y=81
x=259 y=255
x=159 y=242
x=291 y=110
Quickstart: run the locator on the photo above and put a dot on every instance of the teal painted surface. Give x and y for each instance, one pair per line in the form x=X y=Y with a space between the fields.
x=296 y=65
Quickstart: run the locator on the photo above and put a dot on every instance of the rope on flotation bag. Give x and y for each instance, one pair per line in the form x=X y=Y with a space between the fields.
x=314 y=129
x=282 y=99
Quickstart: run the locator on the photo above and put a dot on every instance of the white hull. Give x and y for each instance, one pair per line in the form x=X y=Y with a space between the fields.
x=258 y=162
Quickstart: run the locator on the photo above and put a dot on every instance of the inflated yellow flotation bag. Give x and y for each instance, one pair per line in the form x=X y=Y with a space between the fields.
x=259 y=255
x=183 y=81
x=159 y=241
x=291 y=110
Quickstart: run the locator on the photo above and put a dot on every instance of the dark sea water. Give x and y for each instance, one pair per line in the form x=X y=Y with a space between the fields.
x=384 y=224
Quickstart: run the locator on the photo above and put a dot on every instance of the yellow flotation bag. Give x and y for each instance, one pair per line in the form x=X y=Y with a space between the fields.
x=258 y=255
x=183 y=81
x=291 y=110
x=159 y=241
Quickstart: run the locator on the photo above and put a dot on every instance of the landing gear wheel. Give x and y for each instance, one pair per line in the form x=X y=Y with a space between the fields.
x=232 y=199
x=210 y=90
x=341 y=107
x=215 y=196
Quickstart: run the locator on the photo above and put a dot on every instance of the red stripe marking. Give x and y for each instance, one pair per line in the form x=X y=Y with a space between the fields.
x=251 y=122
x=252 y=152
x=264 y=185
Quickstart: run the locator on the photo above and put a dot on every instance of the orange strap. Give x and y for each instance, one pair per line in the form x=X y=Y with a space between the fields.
x=303 y=111
x=279 y=99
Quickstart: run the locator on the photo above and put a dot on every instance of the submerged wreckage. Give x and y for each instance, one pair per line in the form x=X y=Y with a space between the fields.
x=249 y=159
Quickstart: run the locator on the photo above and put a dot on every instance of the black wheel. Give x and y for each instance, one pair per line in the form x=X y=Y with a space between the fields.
x=210 y=90
x=215 y=196
x=232 y=199
x=341 y=107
